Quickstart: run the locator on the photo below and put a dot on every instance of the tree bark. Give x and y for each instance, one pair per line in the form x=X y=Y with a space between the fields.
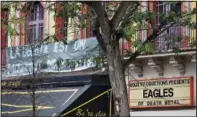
x=118 y=84
x=33 y=104
x=33 y=85
x=109 y=41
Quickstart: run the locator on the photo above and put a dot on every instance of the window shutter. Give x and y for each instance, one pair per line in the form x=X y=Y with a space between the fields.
x=14 y=41
x=148 y=22
x=3 y=39
x=87 y=22
x=25 y=31
x=75 y=33
x=154 y=11
x=144 y=29
x=84 y=28
x=20 y=30
x=3 y=17
x=140 y=28
x=58 y=22
x=17 y=27
x=81 y=29
x=121 y=46
x=184 y=44
x=189 y=29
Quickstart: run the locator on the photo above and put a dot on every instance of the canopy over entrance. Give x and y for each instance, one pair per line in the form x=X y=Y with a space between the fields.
x=61 y=96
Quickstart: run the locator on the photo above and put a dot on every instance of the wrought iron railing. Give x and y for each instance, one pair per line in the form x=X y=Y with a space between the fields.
x=175 y=38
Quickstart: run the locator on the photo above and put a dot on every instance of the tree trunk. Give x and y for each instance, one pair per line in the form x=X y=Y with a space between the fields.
x=33 y=104
x=117 y=79
x=33 y=85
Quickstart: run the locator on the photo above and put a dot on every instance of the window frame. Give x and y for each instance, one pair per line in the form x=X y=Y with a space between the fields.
x=34 y=23
x=166 y=8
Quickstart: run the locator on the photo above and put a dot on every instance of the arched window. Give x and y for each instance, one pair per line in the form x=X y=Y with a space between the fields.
x=34 y=24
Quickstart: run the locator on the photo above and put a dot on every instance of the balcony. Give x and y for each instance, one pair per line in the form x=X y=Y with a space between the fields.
x=175 y=39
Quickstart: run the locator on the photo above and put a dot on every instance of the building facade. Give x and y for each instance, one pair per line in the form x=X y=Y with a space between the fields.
x=158 y=65
x=155 y=72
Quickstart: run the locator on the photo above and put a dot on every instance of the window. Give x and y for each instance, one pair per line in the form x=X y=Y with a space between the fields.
x=35 y=24
x=171 y=37
x=87 y=31
x=165 y=8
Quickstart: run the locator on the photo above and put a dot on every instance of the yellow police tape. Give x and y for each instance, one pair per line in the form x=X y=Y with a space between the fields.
x=29 y=108
x=87 y=102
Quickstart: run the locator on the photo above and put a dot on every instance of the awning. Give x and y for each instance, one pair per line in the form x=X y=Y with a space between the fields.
x=68 y=97
x=49 y=102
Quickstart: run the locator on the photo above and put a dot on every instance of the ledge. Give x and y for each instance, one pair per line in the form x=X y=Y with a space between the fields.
x=165 y=54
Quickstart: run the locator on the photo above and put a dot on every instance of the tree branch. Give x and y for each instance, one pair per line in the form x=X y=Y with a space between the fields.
x=121 y=12
x=102 y=18
x=155 y=33
x=129 y=15
x=99 y=36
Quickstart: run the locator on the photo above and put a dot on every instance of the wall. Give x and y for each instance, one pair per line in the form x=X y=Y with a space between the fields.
x=178 y=113
x=49 y=26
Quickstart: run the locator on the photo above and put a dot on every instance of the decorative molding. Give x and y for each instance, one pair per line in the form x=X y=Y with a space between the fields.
x=156 y=64
x=163 y=55
x=178 y=62
x=137 y=67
